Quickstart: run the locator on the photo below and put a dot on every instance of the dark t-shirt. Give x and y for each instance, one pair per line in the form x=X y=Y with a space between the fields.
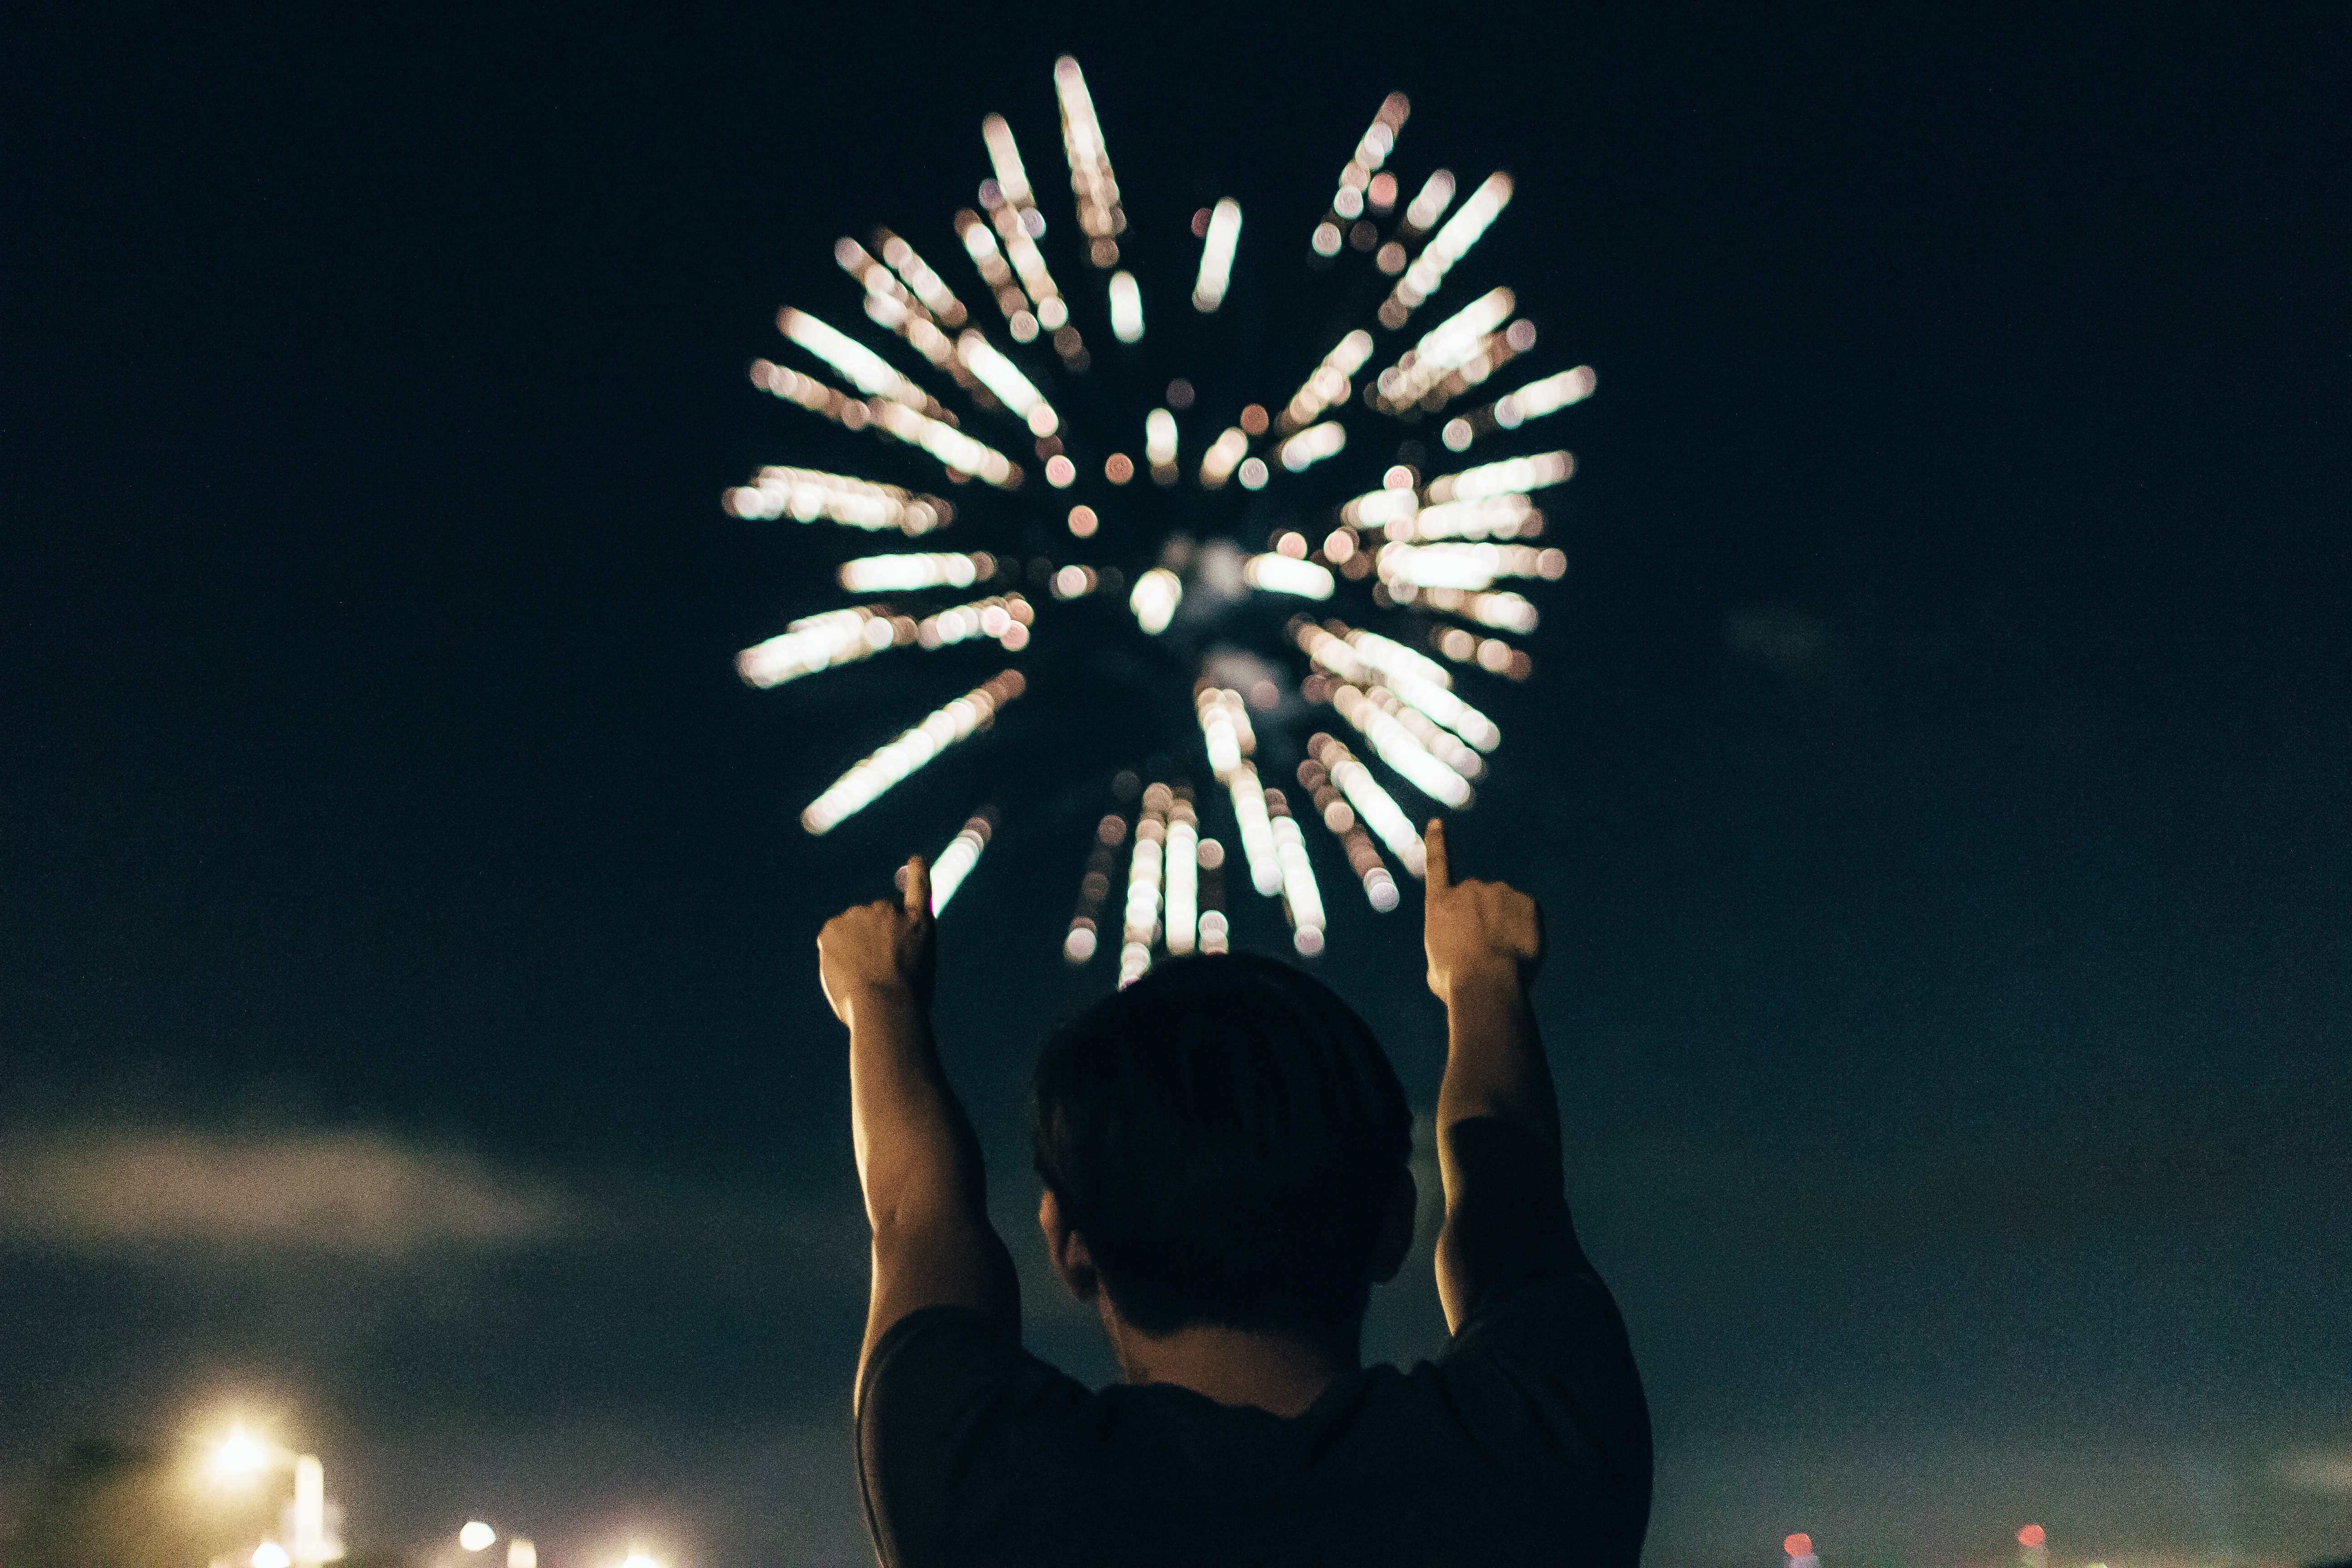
x=1527 y=1441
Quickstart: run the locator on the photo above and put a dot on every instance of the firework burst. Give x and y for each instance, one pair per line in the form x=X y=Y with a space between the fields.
x=1310 y=573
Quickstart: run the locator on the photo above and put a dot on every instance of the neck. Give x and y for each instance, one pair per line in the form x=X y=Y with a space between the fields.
x=1277 y=1371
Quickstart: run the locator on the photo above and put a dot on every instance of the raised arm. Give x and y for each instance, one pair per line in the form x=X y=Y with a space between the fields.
x=918 y=1160
x=1497 y=1123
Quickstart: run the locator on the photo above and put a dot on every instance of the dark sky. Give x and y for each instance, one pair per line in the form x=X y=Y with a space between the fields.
x=1935 y=773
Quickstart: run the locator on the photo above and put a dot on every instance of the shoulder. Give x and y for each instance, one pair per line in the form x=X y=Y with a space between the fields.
x=1543 y=1372
x=945 y=1404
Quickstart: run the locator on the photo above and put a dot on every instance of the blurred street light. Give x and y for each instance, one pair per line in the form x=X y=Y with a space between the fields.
x=238 y=1456
x=241 y=1456
x=476 y=1535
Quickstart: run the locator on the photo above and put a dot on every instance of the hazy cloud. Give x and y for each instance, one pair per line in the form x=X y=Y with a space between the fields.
x=352 y=1193
x=2325 y=1471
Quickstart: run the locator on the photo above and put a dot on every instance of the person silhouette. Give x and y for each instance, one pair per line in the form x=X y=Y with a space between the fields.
x=1223 y=1153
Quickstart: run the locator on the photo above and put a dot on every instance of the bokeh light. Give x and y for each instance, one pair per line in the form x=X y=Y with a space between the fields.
x=1437 y=562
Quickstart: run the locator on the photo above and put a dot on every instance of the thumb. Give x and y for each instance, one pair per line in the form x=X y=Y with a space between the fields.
x=1432 y=849
x=919 y=887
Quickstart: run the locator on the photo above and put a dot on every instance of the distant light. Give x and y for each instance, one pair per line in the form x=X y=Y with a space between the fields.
x=1540 y=397
x=1253 y=419
x=1300 y=897
x=945 y=442
x=1004 y=378
x=1397 y=746
x=2032 y=1535
x=1083 y=524
x=885 y=574
x=240 y=1455
x=1119 y=467
x=868 y=371
x=1508 y=516
x=1006 y=619
x=1513 y=476
x=1281 y=574
x=1503 y=611
x=1217 y=463
x=1257 y=830
x=638 y=1559
x=805 y=495
x=1374 y=805
x=1022 y=326
x=1444 y=248
x=1457 y=435
x=1466 y=566
x=815 y=643
x=1313 y=444
x=1126 y=308
x=1326 y=239
x=1011 y=177
x=1212 y=930
x=476 y=1535
x=955 y=862
x=927 y=284
x=1428 y=207
x=1157 y=593
x=1252 y=473
x=1079 y=946
x=1217 y=256
x=270 y=1554
x=1160 y=445
x=1382 y=192
x=1390 y=259
x=1074 y=582
x=1060 y=472
x=1798 y=1545
x=1448 y=348
x=1183 y=881
x=1329 y=383
x=1141 y=920
x=1365 y=657
x=865 y=782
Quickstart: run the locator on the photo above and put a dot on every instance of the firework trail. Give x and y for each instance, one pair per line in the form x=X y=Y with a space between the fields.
x=1392 y=588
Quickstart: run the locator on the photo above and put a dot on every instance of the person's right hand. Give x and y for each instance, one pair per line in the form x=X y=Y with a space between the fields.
x=884 y=946
x=1475 y=930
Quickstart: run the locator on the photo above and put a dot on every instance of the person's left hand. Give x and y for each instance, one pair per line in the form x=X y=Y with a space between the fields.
x=879 y=947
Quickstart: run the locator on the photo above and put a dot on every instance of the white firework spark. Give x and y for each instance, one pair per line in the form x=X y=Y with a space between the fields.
x=1425 y=555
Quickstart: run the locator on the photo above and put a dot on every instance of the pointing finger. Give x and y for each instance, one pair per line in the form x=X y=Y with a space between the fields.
x=919 y=886
x=1432 y=849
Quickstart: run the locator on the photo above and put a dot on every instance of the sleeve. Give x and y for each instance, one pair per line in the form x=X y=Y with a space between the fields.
x=941 y=1393
x=1542 y=1377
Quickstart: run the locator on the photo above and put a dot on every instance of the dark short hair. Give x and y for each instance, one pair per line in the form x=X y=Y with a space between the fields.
x=1226 y=1134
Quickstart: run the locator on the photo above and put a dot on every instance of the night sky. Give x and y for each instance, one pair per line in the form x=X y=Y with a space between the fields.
x=1936 y=774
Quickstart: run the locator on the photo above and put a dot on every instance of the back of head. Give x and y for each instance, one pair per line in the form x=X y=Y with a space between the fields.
x=1226 y=1134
